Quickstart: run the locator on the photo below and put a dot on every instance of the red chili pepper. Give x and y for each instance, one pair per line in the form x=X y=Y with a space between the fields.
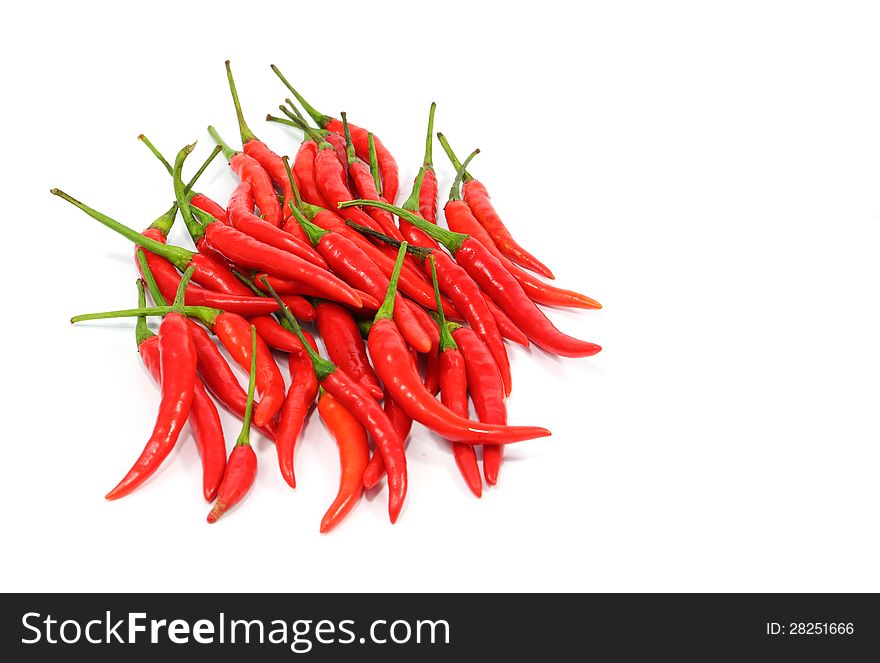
x=428 y=190
x=402 y=424
x=356 y=268
x=241 y=468
x=477 y=198
x=207 y=205
x=304 y=171
x=453 y=382
x=291 y=288
x=365 y=186
x=354 y=453
x=344 y=344
x=251 y=171
x=177 y=360
x=204 y=421
x=366 y=410
x=387 y=164
x=506 y=326
x=486 y=390
x=495 y=280
x=391 y=361
x=300 y=396
x=242 y=218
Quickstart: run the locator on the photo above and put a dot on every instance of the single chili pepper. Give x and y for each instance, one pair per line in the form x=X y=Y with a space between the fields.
x=200 y=200
x=429 y=188
x=211 y=364
x=477 y=198
x=231 y=330
x=251 y=171
x=241 y=468
x=365 y=186
x=432 y=373
x=177 y=362
x=204 y=421
x=290 y=289
x=387 y=164
x=242 y=218
x=345 y=346
x=366 y=410
x=495 y=280
x=354 y=453
x=391 y=361
x=486 y=390
x=466 y=295
x=355 y=268
x=301 y=307
x=257 y=149
x=402 y=423
x=300 y=396
x=506 y=326
x=453 y=383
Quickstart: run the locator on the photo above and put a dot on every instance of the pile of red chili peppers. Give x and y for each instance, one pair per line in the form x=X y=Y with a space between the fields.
x=406 y=310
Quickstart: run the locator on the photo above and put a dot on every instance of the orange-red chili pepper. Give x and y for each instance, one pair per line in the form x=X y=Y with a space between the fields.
x=241 y=468
x=300 y=396
x=477 y=198
x=428 y=189
x=345 y=346
x=354 y=453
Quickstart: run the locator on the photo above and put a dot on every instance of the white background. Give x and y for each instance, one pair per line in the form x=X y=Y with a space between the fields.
x=709 y=171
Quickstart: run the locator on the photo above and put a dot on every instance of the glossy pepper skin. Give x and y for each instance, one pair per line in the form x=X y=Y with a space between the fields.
x=453 y=394
x=249 y=170
x=213 y=208
x=345 y=345
x=487 y=392
x=304 y=172
x=244 y=250
x=394 y=368
x=402 y=424
x=300 y=396
x=354 y=452
x=177 y=360
x=331 y=179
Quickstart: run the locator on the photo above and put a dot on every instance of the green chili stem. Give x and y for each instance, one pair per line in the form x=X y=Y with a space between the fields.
x=178 y=256
x=165 y=222
x=297 y=198
x=320 y=119
x=195 y=178
x=429 y=141
x=455 y=190
x=244 y=437
x=312 y=231
x=155 y=151
x=412 y=203
x=322 y=367
x=387 y=308
x=446 y=340
x=294 y=112
x=449 y=153
x=204 y=313
x=181 y=289
x=150 y=280
x=244 y=129
x=180 y=194
x=349 y=144
x=141 y=331
x=248 y=282
x=447 y=238
x=374 y=162
x=228 y=152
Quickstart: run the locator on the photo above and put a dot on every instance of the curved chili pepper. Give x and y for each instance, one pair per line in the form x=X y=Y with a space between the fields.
x=292 y=288
x=242 y=218
x=387 y=164
x=453 y=384
x=354 y=453
x=477 y=198
x=356 y=268
x=300 y=396
x=177 y=360
x=205 y=204
x=345 y=346
x=428 y=191
x=330 y=177
x=365 y=186
x=402 y=424
x=241 y=468
x=366 y=410
x=304 y=171
x=204 y=421
x=506 y=326
x=487 y=392
x=251 y=171
x=495 y=280
x=432 y=373
x=391 y=361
